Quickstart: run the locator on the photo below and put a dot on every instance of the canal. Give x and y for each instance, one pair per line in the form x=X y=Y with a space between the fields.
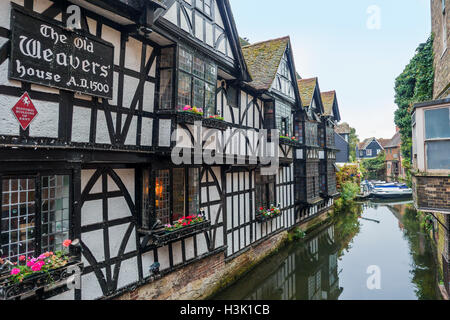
x=369 y=252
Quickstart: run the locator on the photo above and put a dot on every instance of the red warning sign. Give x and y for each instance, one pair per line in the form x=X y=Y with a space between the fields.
x=25 y=111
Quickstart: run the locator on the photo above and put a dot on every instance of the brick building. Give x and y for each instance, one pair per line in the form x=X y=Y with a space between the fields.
x=431 y=142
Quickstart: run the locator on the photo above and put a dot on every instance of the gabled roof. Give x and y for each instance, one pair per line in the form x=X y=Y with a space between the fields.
x=395 y=142
x=330 y=105
x=263 y=60
x=363 y=145
x=384 y=142
x=343 y=128
x=307 y=88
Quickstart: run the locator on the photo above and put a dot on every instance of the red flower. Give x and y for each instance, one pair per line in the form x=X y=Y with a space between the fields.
x=261 y=208
x=67 y=243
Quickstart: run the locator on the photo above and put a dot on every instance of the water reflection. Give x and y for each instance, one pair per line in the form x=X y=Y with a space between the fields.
x=332 y=262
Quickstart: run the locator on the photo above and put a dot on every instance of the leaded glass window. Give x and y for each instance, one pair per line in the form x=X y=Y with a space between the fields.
x=166 y=70
x=18 y=217
x=283 y=116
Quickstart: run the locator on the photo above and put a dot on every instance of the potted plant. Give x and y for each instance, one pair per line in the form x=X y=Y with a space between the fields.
x=47 y=272
x=268 y=214
x=188 y=114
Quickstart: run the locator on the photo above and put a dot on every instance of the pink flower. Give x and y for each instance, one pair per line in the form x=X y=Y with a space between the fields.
x=42 y=257
x=67 y=243
x=36 y=267
x=186 y=108
x=29 y=264
x=15 y=271
x=22 y=258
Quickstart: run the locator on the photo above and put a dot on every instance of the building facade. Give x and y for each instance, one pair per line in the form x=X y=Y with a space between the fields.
x=92 y=116
x=368 y=149
x=431 y=144
x=394 y=166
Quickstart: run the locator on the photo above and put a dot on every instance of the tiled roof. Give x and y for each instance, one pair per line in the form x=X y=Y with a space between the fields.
x=243 y=42
x=306 y=88
x=343 y=128
x=395 y=142
x=384 y=142
x=363 y=145
x=263 y=60
x=328 y=99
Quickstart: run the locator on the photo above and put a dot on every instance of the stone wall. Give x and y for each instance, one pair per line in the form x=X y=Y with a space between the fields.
x=441 y=56
x=432 y=192
x=202 y=279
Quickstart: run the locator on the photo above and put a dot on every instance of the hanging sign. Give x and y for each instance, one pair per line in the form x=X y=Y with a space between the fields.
x=47 y=54
x=25 y=111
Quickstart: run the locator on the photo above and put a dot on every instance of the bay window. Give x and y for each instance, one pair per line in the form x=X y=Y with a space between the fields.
x=437 y=138
x=283 y=115
x=197 y=79
x=175 y=192
x=35 y=215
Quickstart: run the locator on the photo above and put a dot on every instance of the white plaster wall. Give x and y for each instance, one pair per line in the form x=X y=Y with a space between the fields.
x=102 y=127
x=149 y=97
x=128 y=273
x=132 y=132
x=177 y=253
x=81 y=124
x=133 y=53
x=164 y=133
x=189 y=243
x=8 y=122
x=91 y=213
x=116 y=235
x=147 y=132
x=5 y=12
x=46 y=122
x=130 y=85
x=94 y=241
x=90 y=287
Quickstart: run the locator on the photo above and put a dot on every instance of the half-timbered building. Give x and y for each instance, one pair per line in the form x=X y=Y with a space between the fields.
x=96 y=98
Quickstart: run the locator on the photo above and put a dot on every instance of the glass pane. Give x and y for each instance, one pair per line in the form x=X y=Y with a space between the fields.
x=185 y=60
x=17 y=223
x=184 y=90
x=199 y=93
x=162 y=196
x=438 y=155
x=283 y=116
x=194 y=185
x=55 y=201
x=165 y=96
x=178 y=194
x=210 y=100
x=199 y=67
x=146 y=205
x=211 y=73
x=437 y=123
x=166 y=58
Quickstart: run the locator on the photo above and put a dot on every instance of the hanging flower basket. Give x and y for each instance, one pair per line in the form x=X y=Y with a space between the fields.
x=48 y=273
x=268 y=214
x=183 y=228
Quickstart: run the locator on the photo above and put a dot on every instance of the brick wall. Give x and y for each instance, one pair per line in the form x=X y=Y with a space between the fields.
x=432 y=192
x=441 y=59
x=203 y=278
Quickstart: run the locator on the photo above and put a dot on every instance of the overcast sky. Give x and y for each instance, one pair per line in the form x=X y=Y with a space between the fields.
x=348 y=46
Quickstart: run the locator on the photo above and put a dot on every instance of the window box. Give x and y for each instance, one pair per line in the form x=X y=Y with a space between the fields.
x=52 y=283
x=215 y=123
x=188 y=117
x=289 y=142
x=162 y=237
x=264 y=215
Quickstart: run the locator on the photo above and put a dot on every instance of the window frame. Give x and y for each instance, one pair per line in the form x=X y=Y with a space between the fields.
x=151 y=211
x=37 y=176
x=193 y=77
x=426 y=140
x=265 y=183
x=202 y=8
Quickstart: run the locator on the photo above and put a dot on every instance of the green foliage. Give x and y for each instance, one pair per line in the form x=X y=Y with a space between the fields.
x=353 y=142
x=413 y=85
x=349 y=192
x=348 y=173
x=426 y=221
x=374 y=168
x=298 y=234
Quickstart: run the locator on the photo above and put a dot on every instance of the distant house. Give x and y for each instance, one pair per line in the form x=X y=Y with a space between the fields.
x=342 y=137
x=344 y=131
x=394 y=168
x=369 y=148
x=343 y=153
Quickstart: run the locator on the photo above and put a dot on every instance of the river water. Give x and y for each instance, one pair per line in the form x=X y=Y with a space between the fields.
x=368 y=252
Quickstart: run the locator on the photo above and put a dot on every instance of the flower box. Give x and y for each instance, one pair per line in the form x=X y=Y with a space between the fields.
x=162 y=237
x=188 y=117
x=266 y=215
x=289 y=142
x=215 y=123
x=49 y=283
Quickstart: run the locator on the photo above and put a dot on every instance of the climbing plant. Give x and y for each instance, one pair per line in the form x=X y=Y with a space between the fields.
x=413 y=85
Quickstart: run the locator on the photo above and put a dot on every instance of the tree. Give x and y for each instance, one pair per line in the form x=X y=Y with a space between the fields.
x=353 y=142
x=374 y=168
x=413 y=85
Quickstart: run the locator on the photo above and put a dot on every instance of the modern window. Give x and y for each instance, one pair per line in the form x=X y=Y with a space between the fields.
x=197 y=81
x=175 y=192
x=265 y=190
x=35 y=215
x=437 y=138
